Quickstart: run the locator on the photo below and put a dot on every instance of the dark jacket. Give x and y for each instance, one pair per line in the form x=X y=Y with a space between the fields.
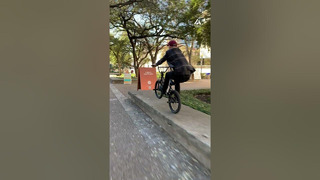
x=176 y=59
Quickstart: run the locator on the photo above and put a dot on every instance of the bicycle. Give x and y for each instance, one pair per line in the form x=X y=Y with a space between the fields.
x=173 y=95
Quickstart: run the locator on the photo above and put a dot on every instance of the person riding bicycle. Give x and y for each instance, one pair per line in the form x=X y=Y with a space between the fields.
x=176 y=60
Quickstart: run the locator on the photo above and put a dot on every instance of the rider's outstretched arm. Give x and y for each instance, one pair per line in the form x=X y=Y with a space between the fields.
x=158 y=63
x=162 y=60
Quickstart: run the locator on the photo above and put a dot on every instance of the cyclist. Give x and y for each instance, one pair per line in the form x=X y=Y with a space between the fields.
x=176 y=60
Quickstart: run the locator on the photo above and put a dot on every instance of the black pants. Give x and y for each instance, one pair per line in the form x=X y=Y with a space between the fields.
x=177 y=79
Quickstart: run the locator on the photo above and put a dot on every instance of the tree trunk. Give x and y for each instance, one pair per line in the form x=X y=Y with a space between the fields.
x=136 y=71
x=153 y=58
x=135 y=59
x=156 y=54
x=119 y=67
x=137 y=68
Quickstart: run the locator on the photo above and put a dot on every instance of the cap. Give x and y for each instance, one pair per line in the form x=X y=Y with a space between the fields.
x=172 y=43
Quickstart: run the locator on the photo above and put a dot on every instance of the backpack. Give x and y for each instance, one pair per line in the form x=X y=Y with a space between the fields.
x=184 y=70
x=183 y=73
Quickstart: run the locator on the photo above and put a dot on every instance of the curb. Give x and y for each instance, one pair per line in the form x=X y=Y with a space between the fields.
x=198 y=147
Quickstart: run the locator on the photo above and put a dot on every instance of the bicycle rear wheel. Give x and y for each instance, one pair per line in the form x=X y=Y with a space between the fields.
x=157 y=89
x=174 y=101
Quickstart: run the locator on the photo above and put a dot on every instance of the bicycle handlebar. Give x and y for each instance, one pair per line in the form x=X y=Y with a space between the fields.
x=164 y=67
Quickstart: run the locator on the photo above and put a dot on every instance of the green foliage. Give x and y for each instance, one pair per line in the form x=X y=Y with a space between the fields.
x=195 y=22
x=188 y=98
x=120 y=51
x=148 y=24
x=203 y=34
x=207 y=61
x=158 y=75
x=205 y=76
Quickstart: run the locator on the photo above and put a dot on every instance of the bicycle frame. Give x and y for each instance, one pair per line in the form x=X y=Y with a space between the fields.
x=173 y=95
x=162 y=76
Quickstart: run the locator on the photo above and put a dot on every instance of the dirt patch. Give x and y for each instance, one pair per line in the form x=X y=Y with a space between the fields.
x=203 y=97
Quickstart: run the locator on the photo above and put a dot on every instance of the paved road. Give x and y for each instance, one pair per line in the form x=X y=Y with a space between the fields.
x=141 y=150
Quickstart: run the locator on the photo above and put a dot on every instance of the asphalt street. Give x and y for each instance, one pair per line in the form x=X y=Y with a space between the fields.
x=141 y=150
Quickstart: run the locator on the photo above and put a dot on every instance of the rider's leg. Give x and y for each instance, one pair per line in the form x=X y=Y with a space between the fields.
x=177 y=86
x=168 y=76
x=179 y=79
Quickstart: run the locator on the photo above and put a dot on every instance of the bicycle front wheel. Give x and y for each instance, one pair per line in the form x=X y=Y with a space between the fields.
x=157 y=89
x=174 y=101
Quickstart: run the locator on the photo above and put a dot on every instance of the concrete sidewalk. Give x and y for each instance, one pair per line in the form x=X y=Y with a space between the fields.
x=191 y=84
x=189 y=127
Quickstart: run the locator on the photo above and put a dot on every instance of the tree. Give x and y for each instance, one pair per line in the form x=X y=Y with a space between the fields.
x=117 y=4
x=158 y=17
x=141 y=24
x=149 y=23
x=120 y=52
x=127 y=23
x=187 y=29
x=192 y=29
x=154 y=46
x=203 y=27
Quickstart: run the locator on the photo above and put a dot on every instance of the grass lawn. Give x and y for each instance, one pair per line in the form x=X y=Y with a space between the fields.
x=197 y=99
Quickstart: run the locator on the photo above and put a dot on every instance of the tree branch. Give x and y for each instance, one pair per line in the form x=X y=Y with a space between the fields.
x=154 y=35
x=119 y=5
